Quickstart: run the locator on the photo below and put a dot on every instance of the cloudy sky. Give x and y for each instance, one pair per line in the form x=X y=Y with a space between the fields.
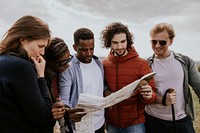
x=65 y=16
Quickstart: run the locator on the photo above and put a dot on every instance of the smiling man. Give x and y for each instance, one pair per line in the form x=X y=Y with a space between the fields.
x=85 y=75
x=122 y=67
x=173 y=111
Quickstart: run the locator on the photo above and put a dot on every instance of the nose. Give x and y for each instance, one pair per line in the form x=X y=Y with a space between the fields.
x=89 y=52
x=119 y=46
x=157 y=44
x=42 y=51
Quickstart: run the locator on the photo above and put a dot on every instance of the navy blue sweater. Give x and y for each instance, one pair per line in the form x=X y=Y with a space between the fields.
x=25 y=106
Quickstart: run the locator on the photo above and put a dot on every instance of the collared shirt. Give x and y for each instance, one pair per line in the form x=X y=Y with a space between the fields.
x=71 y=82
x=71 y=85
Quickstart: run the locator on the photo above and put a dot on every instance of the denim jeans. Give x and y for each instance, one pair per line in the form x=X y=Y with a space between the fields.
x=139 y=128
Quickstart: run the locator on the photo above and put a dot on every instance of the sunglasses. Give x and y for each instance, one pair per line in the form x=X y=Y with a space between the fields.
x=64 y=62
x=161 y=42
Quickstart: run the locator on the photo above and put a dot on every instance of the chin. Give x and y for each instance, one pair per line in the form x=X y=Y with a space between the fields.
x=88 y=60
x=120 y=54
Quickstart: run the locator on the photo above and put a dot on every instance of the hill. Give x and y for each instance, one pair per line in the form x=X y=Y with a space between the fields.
x=197 y=63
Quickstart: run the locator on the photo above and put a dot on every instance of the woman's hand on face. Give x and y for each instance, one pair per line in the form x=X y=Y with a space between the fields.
x=39 y=63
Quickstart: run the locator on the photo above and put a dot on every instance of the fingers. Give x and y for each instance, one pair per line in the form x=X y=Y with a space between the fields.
x=146 y=92
x=38 y=60
x=143 y=82
x=39 y=64
x=58 y=110
x=75 y=110
x=171 y=98
x=34 y=60
x=76 y=117
x=58 y=104
x=75 y=114
x=139 y=87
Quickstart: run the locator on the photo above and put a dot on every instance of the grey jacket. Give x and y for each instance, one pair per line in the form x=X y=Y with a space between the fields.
x=191 y=79
x=71 y=82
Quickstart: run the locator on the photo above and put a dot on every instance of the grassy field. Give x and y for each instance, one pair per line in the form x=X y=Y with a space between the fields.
x=197 y=114
x=197 y=109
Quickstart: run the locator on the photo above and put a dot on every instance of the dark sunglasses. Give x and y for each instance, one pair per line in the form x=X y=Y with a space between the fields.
x=64 y=62
x=161 y=42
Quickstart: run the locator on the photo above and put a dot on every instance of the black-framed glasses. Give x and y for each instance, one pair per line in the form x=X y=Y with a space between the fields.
x=161 y=42
x=64 y=62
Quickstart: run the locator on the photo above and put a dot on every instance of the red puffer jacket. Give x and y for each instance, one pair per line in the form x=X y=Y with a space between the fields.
x=119 y=72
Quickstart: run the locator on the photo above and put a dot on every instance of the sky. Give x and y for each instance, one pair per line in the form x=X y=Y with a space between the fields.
x=65 y=16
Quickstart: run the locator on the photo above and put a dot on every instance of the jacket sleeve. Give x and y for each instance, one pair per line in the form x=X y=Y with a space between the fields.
x=145 y=69
x=31 y=93
x=193 y=76
x=65 y=84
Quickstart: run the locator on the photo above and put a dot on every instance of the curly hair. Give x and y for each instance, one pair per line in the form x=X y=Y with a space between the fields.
x=112 y=29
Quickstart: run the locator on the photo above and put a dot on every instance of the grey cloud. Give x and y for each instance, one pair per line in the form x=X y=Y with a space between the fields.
x=10 y=11
x=140 y=15
x=142 y=11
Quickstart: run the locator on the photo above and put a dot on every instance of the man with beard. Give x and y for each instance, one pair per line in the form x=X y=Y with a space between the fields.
x=122 y=67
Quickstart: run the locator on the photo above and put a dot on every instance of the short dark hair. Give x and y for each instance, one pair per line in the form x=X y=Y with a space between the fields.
x=112 y=29
x=83 y=34
x=56 y=49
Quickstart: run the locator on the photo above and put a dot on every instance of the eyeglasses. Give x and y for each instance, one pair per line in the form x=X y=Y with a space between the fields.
x=161 y=42
x=64 y=62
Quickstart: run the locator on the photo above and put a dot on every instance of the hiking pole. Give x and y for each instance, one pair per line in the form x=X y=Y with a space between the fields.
x=173 y=112
x=173 y=117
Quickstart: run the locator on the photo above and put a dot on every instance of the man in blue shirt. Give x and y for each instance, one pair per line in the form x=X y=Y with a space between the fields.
x=85 y=75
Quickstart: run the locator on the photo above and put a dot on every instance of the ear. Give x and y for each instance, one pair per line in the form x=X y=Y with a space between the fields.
x=75 y=47
x=23 y=41
x=171 y=41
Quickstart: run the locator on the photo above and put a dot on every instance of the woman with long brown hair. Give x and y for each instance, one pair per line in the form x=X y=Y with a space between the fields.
x=25 y=103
